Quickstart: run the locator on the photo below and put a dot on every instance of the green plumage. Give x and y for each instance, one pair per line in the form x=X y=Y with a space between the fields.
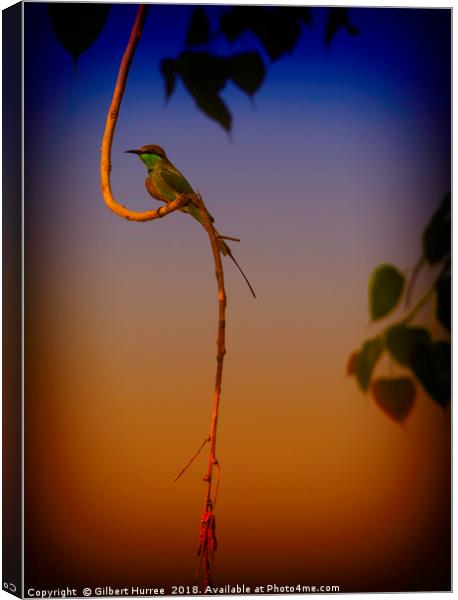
x=165 y=183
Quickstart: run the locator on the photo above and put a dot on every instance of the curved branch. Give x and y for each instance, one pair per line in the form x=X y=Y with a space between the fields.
x=110 y=125
x=207 y=532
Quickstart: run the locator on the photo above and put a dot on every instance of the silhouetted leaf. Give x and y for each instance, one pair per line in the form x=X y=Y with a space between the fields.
x=168 y=70
x=432 y=365
x=238 y=19
x=438 y=233
x=247 y=71
x=385 y=290
x=366 y=361
x=278 y=29
x=77 y=25
x=202 y=70
x=401 y=341
x=444 y=299
x=213 y=106
x=199 y=28
x=204 y=75
x=303 y=13
x=338 y=19
x=394 y=396
x=352 y=361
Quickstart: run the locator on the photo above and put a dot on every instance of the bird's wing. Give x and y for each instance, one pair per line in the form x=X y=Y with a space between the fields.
x=180 y=185
x=176 y=180
x=155 y=193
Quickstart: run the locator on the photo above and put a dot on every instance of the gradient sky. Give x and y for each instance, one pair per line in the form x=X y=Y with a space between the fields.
x=335 y=168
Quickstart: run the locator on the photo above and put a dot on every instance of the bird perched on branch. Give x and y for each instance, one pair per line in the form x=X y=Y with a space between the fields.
x=165 y=183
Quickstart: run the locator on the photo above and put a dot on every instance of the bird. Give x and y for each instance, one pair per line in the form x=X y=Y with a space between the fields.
x=165 y=183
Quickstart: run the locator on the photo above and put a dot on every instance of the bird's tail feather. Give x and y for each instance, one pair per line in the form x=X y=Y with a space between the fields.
x=226 y=251
x=223 y=247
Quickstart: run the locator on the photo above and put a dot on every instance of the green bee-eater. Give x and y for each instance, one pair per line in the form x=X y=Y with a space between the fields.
x=166 y=183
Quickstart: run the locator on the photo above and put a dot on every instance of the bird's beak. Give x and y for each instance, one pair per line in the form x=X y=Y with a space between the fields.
x=132 y=152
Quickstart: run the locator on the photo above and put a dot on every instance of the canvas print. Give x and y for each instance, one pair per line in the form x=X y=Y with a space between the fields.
x=237 y=286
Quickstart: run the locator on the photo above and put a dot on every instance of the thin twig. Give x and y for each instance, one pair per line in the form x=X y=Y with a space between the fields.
x=227 y=237
x=421 y=302
x=413 y=279
x=192 y=459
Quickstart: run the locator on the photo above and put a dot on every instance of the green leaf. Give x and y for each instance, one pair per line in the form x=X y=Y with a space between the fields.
x=444 y=299
x=432 y=365
x=385 y=290
x=199 y=28
x=437 y=235
x=352 y=362
x=168 y=70
x=247 y=71
x=338 y=19
x=401 y=342
x=204 y=75
x=77 y=25
x=366 y=361
x=395 y=397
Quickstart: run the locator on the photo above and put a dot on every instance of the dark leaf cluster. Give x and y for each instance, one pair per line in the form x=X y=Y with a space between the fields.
x=204 y=75
x=277 y=28
x=410 y=346
x=203 y=72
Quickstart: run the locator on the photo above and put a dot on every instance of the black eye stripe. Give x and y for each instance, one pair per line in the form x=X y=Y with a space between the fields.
x=151 y=152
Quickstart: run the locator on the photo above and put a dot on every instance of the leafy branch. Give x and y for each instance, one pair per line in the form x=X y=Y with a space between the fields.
x=410 y=346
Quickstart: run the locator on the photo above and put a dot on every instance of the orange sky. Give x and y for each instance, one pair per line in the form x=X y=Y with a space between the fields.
x=318 y=486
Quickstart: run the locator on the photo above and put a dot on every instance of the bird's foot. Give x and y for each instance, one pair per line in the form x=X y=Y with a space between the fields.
x=185 y=199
